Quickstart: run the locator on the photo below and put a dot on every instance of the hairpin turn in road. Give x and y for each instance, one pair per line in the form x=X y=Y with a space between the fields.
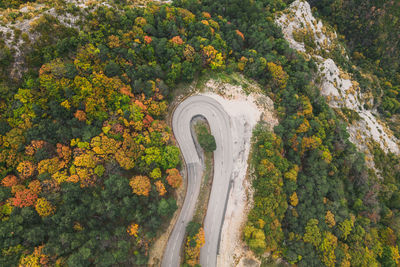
x=220 y=126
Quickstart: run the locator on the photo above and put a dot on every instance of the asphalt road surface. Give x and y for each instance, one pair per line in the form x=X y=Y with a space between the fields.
x=220 y=126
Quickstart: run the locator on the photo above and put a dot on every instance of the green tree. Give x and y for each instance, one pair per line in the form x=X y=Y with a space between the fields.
x=170 y=157
x=112 y=69
x=207 y=142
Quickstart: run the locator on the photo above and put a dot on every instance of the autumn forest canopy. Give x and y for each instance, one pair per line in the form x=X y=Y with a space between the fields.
x=89 y=165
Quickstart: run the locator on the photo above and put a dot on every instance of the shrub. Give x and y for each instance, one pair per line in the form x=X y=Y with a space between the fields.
x=207 y=142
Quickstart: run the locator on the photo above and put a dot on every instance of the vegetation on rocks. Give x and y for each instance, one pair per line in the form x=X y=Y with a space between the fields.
x=371 y=31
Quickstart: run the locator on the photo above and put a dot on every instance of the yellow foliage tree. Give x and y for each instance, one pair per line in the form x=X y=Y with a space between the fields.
x=294 y=200
x=210 y=57
x=307 y=107
x=128 y=152
x=255 y=238
x=85 y=175
x=218 y=62
x=292 y=173
x=77 y=226
x=395 y=254
x=50 y=165
x=124 y=160
x=310 y=143
x=189 y=53
x=304 y=127
x=103 y=145
x=346 y=227
x=193 y=252
x=265 y=167
x=43 y=207
x=87 y=159
x=327 y=247
x=347 y=257
x=60 y=176
x=279 y=76
x=26 y=169
x=242 y=63
x=155 y=173
x=157 y=108
x=326 y=154
x=312 y=234
x=36 y=259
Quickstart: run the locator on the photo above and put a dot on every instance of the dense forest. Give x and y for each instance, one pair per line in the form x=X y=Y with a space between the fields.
x=88 y=166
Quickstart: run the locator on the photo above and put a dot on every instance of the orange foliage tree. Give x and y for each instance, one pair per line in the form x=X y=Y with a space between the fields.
x=240 y=34
x=133 y=229
x=160 y=188
x=9 y=181
x=174 y=178
x=34 y=146
x=176 y=40
x=147 y=39
x=140 y=185
x=206 y=15
x=26 y=197
x=80 y=115
x=64 y=152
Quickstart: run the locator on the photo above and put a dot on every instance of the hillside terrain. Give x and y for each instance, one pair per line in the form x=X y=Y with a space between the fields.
x=90 y=171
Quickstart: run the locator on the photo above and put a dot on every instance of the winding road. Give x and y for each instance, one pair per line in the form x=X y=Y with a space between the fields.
x=220 y=126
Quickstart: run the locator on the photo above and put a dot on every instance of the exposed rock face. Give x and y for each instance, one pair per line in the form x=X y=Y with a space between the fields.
x=297 y=21
x=314 y=40
x=31 y=14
